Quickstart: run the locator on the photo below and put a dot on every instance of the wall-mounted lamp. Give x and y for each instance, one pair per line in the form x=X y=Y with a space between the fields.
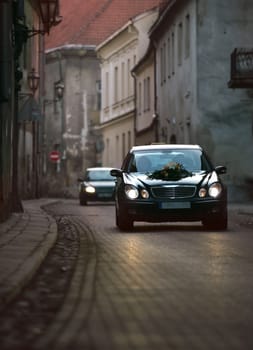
x=48 y=10
x=59 y=89
x=33 y=79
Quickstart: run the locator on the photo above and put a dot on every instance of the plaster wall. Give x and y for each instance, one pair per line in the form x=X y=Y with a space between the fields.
x=176 y=80
x=145 y=102
x=71 y=121
x=118 y=137
x=194 y=102
x=225 y=115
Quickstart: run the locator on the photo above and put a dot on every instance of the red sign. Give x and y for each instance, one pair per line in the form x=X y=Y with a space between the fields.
x=54 y=156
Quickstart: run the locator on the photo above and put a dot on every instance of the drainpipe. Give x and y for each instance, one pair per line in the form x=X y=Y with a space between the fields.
x=59 y=90
x=155 y=99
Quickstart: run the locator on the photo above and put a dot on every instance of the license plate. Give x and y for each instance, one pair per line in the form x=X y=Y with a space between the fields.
x=175 y=205
x=104 y=195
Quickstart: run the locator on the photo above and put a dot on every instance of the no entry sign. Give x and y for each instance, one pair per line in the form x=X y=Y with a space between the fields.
x=54 y=156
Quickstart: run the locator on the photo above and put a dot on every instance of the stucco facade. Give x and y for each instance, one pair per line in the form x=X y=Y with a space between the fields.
x=146 y=122
x=194 y=40
x=70 y=121
x=119 y=54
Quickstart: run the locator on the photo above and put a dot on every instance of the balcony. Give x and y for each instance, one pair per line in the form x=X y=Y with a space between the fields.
x=241 y=75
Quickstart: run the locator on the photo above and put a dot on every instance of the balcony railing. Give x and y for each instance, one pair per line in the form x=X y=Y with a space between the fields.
x=241 y=75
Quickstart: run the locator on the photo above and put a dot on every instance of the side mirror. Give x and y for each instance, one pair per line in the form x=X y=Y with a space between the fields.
x=80 y=179
x=116 y=172
x=220 y=169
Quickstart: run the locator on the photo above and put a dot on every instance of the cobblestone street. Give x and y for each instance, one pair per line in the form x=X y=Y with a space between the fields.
x=163 y=286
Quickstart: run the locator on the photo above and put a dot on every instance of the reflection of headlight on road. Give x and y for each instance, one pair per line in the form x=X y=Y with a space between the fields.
x=215 y=190
x=90 y=189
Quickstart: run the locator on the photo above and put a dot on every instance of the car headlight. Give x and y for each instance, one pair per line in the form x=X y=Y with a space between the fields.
x=144 y=193
x=131 y=192
x=90 y=189
x=202 y=192
x=215 y=190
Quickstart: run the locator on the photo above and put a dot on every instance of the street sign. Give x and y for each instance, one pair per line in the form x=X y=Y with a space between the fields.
x=54 y=156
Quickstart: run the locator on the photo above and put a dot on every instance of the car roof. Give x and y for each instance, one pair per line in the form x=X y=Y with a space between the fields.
x=98 y=168
x=164 y=146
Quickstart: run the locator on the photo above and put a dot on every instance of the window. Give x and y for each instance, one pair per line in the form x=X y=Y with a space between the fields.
x=106 y=89
x=123 y=145
x=117 y=150
x=161 y=65
x=187 y=36
x=98 y=88
x=129 y=139
x=123 y=80
x=168 y=58
x=128 y=77
x=107 y=150
x=146 y=94
x=139 y=98
x=116 y=84
x=164 y=62
x=172 y=53
x=180 y=43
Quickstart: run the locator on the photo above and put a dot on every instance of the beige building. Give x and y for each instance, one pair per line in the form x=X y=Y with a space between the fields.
x=146 y=121
x=119 y=54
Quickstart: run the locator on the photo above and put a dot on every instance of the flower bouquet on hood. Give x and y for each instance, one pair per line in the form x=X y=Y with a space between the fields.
x=170 y=172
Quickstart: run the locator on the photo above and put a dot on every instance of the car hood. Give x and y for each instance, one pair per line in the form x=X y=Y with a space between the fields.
x=199 y=178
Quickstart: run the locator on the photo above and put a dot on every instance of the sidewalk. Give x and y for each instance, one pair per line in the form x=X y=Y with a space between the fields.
x=25 y=240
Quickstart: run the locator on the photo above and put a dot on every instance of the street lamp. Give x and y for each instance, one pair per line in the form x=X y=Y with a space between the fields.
x=59 y=89
x=33 y=79
x=48 y=12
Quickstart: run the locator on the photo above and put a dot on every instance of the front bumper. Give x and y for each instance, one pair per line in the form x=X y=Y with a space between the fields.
x=97 y=196
x=174 y=211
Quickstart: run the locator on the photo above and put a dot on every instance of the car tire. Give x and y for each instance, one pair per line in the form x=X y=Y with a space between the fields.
x=83 y=201
x=216 y=222
x=124 y=221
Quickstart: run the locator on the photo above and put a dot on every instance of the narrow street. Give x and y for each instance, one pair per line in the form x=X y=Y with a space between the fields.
x=163 y=286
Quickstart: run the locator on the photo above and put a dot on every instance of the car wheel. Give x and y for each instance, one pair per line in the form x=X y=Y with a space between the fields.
x=124 y=221
x=83 y=201
x=217 y=222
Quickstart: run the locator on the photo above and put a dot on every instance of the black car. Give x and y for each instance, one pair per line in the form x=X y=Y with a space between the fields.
x=97 y=184
x=162 y=183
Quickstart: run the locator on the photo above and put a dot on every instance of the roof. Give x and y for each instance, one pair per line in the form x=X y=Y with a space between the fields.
x=90 y=22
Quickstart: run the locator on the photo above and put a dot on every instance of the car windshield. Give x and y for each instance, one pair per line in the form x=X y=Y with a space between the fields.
x=99 y=175
x=192 y=160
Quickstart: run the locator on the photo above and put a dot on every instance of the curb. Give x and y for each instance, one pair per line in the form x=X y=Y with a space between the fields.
x=24 y=243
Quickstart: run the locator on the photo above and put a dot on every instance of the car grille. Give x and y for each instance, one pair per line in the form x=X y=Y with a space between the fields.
x=104 y=190
x=173 y=191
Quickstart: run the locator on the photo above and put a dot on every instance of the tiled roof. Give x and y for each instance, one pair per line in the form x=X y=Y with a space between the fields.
x=90 y=22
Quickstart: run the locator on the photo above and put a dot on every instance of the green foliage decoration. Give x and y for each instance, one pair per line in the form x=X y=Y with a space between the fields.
x=171 y=172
